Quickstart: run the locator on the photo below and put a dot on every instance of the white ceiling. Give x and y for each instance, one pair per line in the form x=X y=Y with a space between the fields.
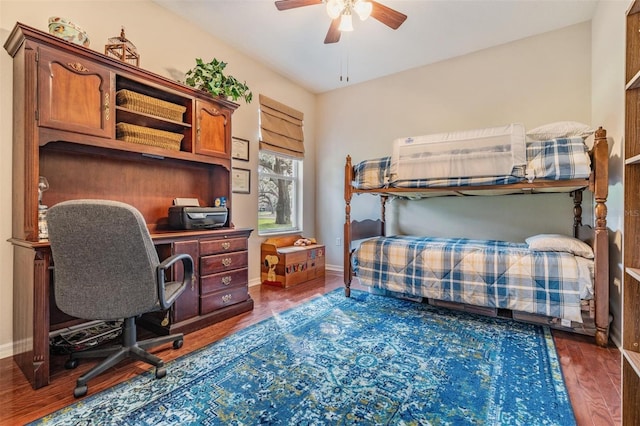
x=291 y=41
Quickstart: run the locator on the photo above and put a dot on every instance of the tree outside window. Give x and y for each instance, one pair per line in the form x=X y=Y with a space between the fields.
x=278 y=193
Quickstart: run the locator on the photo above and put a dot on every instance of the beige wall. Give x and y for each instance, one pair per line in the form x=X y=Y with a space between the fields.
x=168 y=46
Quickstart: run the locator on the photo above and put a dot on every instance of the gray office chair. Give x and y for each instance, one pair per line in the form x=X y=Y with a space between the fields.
x=106 y=268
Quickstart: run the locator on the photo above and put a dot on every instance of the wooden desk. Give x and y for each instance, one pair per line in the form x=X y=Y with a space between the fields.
x=66 y=110
x=35 y=312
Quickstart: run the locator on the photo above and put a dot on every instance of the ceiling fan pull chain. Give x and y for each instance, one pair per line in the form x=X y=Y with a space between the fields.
x=344 y=55
x=347 y=65
x=347 y=69
x=347 y=44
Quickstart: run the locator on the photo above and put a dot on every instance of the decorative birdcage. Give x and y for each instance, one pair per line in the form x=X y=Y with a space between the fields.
x=122 y=49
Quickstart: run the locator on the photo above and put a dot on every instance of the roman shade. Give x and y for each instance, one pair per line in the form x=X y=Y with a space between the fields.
x=281 y=128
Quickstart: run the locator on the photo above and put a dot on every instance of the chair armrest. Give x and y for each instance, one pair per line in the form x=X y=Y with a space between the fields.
x=187 y=280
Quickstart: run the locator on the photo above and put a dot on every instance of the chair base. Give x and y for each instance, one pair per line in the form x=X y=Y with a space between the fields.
x=130 y=348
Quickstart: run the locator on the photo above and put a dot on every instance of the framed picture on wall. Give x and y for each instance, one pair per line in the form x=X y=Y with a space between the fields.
x=239 y=149
x=240 y=180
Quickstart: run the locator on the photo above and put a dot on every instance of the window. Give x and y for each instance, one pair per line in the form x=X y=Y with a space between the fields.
x=279 y=192
x=280 y=168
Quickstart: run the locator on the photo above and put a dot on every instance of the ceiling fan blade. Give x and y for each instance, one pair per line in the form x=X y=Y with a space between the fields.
x=333 y=35
x=291 y=4
x=390 y=17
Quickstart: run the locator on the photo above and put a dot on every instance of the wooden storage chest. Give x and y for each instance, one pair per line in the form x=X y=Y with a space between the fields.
x=291 y=264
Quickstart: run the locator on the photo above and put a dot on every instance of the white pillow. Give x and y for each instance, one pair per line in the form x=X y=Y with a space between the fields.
x=557 y=242
x=560 y=129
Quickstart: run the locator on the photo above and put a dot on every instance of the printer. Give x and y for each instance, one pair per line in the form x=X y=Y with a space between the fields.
x=185 y=215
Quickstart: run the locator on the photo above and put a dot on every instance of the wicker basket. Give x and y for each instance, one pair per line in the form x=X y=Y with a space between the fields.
x=147 y=136
x=149 y=105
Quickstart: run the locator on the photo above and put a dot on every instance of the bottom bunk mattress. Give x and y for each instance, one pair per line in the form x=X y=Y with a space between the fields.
x=495 y=274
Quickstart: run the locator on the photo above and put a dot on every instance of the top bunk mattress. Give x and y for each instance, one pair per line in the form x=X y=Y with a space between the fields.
x=554 y=159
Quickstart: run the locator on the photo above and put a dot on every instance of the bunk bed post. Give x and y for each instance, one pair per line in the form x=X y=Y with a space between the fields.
x=577 y=211
x=601 y=239
x=346 y=240
x=383 y=214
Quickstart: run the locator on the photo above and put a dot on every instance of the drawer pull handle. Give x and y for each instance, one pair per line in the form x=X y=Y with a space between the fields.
x=226 y=245
x=226 y=280
x=226 y=261
x=226 y=298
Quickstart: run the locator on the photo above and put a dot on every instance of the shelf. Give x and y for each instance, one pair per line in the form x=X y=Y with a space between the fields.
x=634 y=83
x=149 y=89
x=634 y=272
x=632 y=160
x=633 y=358
x=89 y=145
x=147 y=120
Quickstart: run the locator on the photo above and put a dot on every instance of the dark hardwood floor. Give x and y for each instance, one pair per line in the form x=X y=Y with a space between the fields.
x=592 y=374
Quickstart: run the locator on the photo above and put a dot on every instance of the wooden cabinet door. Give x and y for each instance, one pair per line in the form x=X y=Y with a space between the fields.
x=213 y=130
x=187 y=305
x=74 y=94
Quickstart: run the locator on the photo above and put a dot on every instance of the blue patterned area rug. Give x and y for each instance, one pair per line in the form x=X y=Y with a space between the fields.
x=362 y=360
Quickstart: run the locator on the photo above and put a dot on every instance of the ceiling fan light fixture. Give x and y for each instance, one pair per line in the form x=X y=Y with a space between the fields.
x=346 y=22
x=335 y=8
x=363 y=9
x=342 y=11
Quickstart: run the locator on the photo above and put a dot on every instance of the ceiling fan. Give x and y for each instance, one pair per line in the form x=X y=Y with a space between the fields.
x=341 y=12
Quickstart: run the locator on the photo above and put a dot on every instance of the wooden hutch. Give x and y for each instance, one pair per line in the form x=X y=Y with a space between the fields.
x=65 y=114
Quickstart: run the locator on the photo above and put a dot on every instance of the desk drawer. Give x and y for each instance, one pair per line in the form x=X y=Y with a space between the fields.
x=220 y=299
x=222 y=246
x=215 y=282
x=222 y=262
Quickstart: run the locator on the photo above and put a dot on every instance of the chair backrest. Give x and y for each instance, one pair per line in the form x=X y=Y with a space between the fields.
x=104 y=260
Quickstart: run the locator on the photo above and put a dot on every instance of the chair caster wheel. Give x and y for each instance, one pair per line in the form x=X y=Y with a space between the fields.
x=177 y=344
x=71 y=364
x=80 y=391
x=160 y=372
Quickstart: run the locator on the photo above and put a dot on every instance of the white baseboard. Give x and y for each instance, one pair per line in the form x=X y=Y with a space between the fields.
x=6 y=350
x=614 y=335
x=331 y=268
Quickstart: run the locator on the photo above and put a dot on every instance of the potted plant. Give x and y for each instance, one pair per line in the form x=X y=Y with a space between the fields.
x=209 y=76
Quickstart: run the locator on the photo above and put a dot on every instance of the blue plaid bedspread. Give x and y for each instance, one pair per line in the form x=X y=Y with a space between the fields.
x=494 y=274
x=557 y=159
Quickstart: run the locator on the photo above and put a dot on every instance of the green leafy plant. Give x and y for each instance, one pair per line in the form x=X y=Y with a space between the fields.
x=209 y=76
